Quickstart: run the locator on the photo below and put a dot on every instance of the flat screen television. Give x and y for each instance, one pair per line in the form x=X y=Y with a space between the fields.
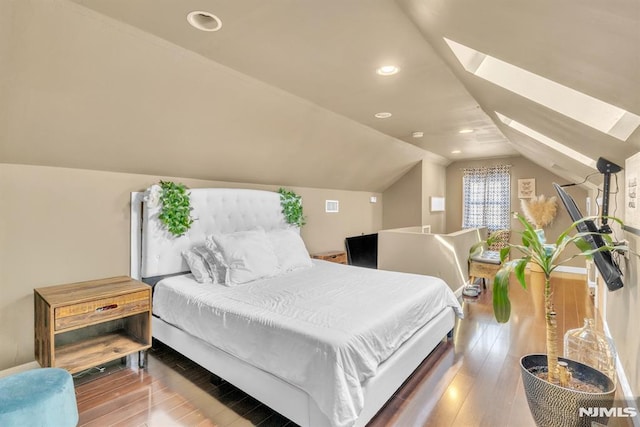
x=362 y=251
x=607 y=266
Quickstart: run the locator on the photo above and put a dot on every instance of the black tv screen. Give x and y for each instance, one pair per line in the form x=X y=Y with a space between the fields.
x=362 y=251
x=607 y=266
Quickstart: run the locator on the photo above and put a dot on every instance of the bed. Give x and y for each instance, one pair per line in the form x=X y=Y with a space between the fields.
x=324 y=345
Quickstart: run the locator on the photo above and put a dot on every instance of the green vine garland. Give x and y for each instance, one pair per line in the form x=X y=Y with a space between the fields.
x=176 y=208
x=292 y=207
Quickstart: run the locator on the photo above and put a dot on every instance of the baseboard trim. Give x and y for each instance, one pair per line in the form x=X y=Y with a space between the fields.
x=574 y=270
x=566 y=269
x=20 y=368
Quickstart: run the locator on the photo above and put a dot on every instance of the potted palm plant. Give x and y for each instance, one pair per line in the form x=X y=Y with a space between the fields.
x=555 y=387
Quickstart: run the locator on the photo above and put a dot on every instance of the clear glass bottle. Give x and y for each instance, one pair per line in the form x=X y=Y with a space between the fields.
x=588 y=346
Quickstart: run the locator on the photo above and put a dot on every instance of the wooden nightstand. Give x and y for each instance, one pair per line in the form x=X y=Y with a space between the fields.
x=339 y=257
x=86 y=324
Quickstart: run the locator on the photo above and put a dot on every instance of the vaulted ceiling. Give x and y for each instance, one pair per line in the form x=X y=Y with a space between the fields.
x=327 y=52
x=589 y=46
x=296 y=82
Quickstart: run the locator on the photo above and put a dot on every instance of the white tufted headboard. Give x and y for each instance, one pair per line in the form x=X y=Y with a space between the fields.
x=221 y=210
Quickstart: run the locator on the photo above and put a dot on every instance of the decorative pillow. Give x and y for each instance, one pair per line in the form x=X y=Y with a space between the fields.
x=197 y=265
x=215 y=261
x=289 y=249
x=248 y=256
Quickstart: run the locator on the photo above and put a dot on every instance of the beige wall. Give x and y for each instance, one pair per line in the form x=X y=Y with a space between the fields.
x=433 y=184
x=403 y=200
x=407 y=201
x=5 y=75
x=61 y=225
x=520 y=168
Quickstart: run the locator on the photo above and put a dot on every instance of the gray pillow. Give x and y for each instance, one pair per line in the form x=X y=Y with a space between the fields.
x=197 y=265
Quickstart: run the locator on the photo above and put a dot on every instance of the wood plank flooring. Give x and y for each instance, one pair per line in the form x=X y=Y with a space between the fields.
x=471 y=380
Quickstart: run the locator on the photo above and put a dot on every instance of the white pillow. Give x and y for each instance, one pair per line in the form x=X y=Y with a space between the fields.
x=290 y=249
x=248 y=256
x=197 y=265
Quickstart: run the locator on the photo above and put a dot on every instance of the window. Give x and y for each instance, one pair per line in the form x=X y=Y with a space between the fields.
x=593 y=112
x=551 y=143
x=487 y=198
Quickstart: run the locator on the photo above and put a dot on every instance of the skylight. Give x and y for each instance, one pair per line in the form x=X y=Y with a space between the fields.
x=586 y=109
x=551 y=143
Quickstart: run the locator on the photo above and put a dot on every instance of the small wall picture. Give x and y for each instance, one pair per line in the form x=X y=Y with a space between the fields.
x=632 y=192
x=526 y=188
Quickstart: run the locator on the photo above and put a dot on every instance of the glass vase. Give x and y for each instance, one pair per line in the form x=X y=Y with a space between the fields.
x=588 y=346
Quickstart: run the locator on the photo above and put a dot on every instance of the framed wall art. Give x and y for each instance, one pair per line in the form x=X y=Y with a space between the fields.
x=526 y=188
x=632 y=195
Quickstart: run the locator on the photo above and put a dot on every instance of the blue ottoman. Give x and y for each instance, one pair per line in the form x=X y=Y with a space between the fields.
x=38 y=398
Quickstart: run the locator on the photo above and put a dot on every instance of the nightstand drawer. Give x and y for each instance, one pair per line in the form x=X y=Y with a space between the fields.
x=339 y=257
x=99 y=310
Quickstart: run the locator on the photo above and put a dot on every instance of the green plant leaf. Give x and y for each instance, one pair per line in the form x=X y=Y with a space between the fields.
x=176 y=208
x=504 y=253
x=292 y=207
x=501 y=302
x=519 y=271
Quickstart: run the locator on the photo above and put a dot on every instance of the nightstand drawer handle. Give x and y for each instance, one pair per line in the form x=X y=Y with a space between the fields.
x=107 y=307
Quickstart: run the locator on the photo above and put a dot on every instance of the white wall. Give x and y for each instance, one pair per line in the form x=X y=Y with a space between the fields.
x=623 y=305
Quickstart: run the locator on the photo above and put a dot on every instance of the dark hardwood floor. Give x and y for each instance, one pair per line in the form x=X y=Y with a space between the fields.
x=471 y=380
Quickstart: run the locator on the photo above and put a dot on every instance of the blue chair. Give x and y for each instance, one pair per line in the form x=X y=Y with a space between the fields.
x=38 y=398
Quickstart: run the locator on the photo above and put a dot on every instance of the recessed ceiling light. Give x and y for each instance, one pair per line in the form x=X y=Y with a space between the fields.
x=204 y=21
x=383 y=115
x=387 y=70
x=456 y=152
x=417 y=134
x=465 y=131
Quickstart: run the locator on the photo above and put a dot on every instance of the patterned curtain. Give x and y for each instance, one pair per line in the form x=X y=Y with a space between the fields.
x=487 y=197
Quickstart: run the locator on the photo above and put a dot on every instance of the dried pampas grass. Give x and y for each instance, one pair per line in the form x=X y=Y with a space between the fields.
x=539 y=210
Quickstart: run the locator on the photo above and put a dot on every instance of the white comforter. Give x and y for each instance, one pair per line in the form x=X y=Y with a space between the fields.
x=324 y=329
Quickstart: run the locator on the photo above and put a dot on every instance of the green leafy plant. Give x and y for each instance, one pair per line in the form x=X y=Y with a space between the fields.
x=292 y=207
x=547 y=257
x=175 y=213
